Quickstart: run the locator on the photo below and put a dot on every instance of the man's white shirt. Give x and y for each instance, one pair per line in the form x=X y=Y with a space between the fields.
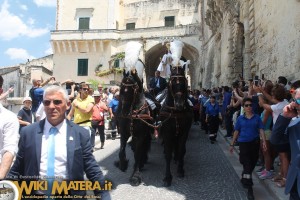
x=60 y=150
x=9 y=132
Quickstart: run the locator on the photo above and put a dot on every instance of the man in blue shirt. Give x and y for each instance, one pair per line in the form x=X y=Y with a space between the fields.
x=203 y=102
x=247 y=131
x=113 y=106
x=213 y=118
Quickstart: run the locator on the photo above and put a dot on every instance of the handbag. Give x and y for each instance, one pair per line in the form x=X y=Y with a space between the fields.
x=97 y=116
x=95 y=122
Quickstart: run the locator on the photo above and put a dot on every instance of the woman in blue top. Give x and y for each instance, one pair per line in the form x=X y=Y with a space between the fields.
x=247 y=131
x=213 y=118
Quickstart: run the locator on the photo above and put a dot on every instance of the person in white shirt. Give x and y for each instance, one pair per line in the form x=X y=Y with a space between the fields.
x=9 y=137
x=40 y=113
x=283 y=149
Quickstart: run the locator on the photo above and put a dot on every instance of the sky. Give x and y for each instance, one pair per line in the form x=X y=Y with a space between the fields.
x=25 y=30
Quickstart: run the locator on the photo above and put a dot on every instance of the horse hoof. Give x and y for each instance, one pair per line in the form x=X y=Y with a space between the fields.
x=135 y=181
x=117 y=164
x=167 y=182
x=180 y=173
x=141 y=167
x=122 y=165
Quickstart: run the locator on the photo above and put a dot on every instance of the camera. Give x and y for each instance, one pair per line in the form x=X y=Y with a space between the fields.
x=235 y=84
x=69 y=85
x=256 y=80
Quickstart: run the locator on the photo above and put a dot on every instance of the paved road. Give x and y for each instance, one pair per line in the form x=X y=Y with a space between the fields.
x=210 y=173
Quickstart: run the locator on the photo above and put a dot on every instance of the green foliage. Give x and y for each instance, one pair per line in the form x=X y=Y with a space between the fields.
x=120 y=56
x=94 y=83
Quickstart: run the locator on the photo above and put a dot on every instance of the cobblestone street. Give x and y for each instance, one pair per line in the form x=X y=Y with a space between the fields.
x=208 y=173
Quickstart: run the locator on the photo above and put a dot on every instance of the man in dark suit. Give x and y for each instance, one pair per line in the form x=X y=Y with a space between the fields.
x=288 y=125
x=57 y=148
x=157 y=83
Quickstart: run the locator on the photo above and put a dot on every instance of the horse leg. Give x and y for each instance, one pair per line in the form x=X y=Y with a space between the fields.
x=146 y=148
x=168 y=155
x=175 y=149
x=135 y=178
x=181 y=154
x=122 y=164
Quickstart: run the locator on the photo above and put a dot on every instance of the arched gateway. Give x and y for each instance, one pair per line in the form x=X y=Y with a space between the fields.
x=155 y=52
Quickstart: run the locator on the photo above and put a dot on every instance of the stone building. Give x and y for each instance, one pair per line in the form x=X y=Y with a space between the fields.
x=91 y=35
x=20 y=76
x=247 y=38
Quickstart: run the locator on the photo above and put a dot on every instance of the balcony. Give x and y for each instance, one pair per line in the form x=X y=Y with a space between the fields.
x=113 y=34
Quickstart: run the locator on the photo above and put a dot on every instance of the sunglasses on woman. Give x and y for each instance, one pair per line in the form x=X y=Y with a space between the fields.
x=55 y=102
x=248 y=105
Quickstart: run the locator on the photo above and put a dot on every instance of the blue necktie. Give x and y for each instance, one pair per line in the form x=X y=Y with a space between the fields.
x=51 y=158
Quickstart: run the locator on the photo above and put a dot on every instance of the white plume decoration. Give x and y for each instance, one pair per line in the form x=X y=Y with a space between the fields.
x=132 y=52
x=139 y=66
x=182 y=63
x=176 y=50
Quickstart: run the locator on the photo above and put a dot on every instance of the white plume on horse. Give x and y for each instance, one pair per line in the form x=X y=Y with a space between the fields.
x=132 y=52
x=176 y=50
x=186 y=64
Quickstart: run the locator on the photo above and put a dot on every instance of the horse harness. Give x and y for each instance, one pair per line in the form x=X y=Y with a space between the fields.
x=136 y=114
x=171 y=114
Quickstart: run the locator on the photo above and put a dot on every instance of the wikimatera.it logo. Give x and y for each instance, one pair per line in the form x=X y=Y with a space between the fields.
x=17 y=190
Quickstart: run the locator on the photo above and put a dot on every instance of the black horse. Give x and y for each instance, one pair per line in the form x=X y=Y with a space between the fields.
x=134 y=119
x=176 y=116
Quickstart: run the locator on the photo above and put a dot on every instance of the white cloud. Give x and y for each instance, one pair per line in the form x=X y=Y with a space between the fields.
x=23 y=7
x=31 y=21
x=12 y=26
x=45 y=3
x=48 y=51
x=18 y=54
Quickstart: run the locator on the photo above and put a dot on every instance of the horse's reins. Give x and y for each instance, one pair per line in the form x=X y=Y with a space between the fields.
x=134 y=114
x=171 y=89
x=172 y=114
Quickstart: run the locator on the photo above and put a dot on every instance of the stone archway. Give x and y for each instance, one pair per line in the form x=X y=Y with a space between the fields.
x=156 y=52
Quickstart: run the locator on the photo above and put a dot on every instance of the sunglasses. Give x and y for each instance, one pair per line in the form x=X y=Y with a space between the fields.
x=248 y=105
x=85 y=89
x=297 y=101
x=55 y=102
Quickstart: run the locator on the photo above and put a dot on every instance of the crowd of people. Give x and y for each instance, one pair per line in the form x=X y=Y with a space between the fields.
x=68 y=118
x=259 y=116
x=89 y=108
x=248 y=111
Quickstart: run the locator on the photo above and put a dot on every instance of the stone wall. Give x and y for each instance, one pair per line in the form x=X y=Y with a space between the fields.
x=248 y=37
x=277 y=38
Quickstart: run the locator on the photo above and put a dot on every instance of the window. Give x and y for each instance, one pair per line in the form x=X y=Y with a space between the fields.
x=82 y=67
x=169 y=21
x=117 y=63
x=130 y=26
x=84 y=23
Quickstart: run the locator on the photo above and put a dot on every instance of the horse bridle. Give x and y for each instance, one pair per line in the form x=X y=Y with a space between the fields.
x=178 y=77
x=135 y=88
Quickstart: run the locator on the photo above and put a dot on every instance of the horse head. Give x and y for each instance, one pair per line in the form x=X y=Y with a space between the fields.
x=131 y=88
x=177 y=87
